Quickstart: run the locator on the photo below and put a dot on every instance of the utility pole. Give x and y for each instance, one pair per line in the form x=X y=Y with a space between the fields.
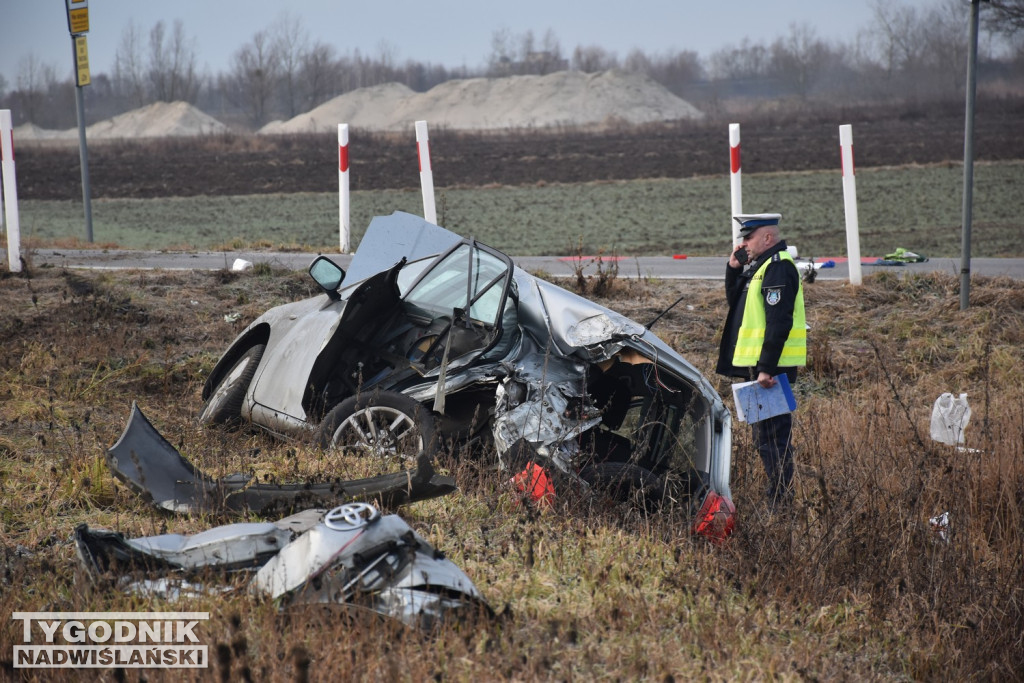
x=78 y=26
x=972 y=87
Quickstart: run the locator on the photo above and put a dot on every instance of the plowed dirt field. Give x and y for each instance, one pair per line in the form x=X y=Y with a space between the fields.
x=243 y=164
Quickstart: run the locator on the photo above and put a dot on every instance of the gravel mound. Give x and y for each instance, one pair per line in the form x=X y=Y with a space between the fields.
x=566 y=98
x=157 y=120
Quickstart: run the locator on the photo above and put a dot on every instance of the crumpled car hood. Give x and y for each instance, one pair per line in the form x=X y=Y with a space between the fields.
x=574 y=325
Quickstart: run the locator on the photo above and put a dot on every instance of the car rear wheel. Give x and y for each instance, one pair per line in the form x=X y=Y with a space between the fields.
x=386 y=427
x=225 y=403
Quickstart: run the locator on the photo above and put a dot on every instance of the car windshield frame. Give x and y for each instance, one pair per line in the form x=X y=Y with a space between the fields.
x=473 y=293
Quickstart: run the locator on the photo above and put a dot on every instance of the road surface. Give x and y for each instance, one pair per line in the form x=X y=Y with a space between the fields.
x=660 y=267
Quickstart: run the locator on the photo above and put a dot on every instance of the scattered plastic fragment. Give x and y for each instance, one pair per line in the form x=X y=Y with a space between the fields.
x=940 y=525
x=678 y=256
x=905 y=256
x=535 y=484
x=241 y=264
x=232 y=317
x=950 y=416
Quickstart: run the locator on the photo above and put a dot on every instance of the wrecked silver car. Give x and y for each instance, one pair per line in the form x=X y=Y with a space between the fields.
x=351 y=556
x=431 y=340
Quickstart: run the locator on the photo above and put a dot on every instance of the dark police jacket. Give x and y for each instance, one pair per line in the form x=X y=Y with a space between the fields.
x=780 y=275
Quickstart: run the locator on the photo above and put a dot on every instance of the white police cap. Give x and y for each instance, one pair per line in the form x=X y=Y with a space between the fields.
x=749 y=222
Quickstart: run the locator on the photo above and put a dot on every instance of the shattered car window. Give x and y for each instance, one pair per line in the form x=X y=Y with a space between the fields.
x=467 y=274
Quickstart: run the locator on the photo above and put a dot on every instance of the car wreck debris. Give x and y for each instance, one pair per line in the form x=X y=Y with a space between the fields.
x=351 y=556
x=153 y=468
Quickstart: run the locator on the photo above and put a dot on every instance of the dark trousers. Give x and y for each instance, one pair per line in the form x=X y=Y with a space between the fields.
x=772 y=437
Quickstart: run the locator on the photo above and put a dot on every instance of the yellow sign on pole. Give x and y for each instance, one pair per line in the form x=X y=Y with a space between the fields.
x=81 y=62
x=78 y=16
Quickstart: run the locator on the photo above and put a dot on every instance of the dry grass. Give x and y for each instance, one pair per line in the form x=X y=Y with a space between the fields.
x=852 y=583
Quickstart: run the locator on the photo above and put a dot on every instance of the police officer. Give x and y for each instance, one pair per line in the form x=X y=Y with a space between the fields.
x=765 y=334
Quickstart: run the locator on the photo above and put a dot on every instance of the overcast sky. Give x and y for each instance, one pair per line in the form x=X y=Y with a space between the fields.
x=452 y=33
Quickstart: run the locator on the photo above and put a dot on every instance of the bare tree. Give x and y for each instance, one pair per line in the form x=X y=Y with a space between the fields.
x=592 y=59
x=900 y=39
x=637 y=61
x=945 y=47
x=521 y=54
x=1005 y=17
x=503 y=54
x=290 y=44
x=254 y=74
x=798 y=58
x=172 y=64
x=319 y=74
x=548 y=59
x=676 y=71
x=36 y=81
x=129 y=72
x=526 y=48
x=748 y=60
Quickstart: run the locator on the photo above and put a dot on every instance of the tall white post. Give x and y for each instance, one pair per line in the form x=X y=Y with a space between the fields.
x=735 y=180
x=10 y=191
x=343 y=195
x=850 y=202
x=426 y=174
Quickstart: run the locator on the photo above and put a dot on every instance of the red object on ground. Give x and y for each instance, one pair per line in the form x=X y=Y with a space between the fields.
x=597 y=257
x=716 y=519
x=679 y=256
x=535 y=483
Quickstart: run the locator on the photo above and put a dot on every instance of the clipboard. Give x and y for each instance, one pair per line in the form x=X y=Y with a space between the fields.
x=755 y=403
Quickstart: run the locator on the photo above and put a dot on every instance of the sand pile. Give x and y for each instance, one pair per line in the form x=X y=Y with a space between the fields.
x=362 y=105
x=566 y=98
x=30 y=132
x=563 y=98
x=157 y=120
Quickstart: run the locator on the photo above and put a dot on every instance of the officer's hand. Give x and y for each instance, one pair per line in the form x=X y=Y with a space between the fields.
x=738 y=257
x=765 y=380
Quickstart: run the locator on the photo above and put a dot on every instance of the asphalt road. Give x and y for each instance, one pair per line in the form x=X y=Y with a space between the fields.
x=661 y=267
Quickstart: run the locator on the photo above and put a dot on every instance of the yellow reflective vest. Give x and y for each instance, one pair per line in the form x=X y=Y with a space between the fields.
x=750 y=337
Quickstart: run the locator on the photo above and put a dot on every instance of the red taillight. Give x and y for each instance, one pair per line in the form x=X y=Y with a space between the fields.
x=535 y=483
x=716 y=519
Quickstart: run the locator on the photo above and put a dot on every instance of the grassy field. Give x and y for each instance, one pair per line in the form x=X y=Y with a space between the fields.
x=851 y=584
x=918 y=208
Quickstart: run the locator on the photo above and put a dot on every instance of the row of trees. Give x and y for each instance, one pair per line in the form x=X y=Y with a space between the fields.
x=281 y=71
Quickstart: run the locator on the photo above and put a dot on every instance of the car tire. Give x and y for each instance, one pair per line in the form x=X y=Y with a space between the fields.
x=385 y=425
x=625 y=482
x=225 y=403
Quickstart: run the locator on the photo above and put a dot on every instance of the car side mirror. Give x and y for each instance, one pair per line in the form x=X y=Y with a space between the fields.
x=328 y=274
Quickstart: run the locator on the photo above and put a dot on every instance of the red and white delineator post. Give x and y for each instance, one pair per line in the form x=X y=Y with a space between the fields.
x=10 y=191
x=426 y=174
x=344 y=212
x=735 y=181
x=850 y=202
